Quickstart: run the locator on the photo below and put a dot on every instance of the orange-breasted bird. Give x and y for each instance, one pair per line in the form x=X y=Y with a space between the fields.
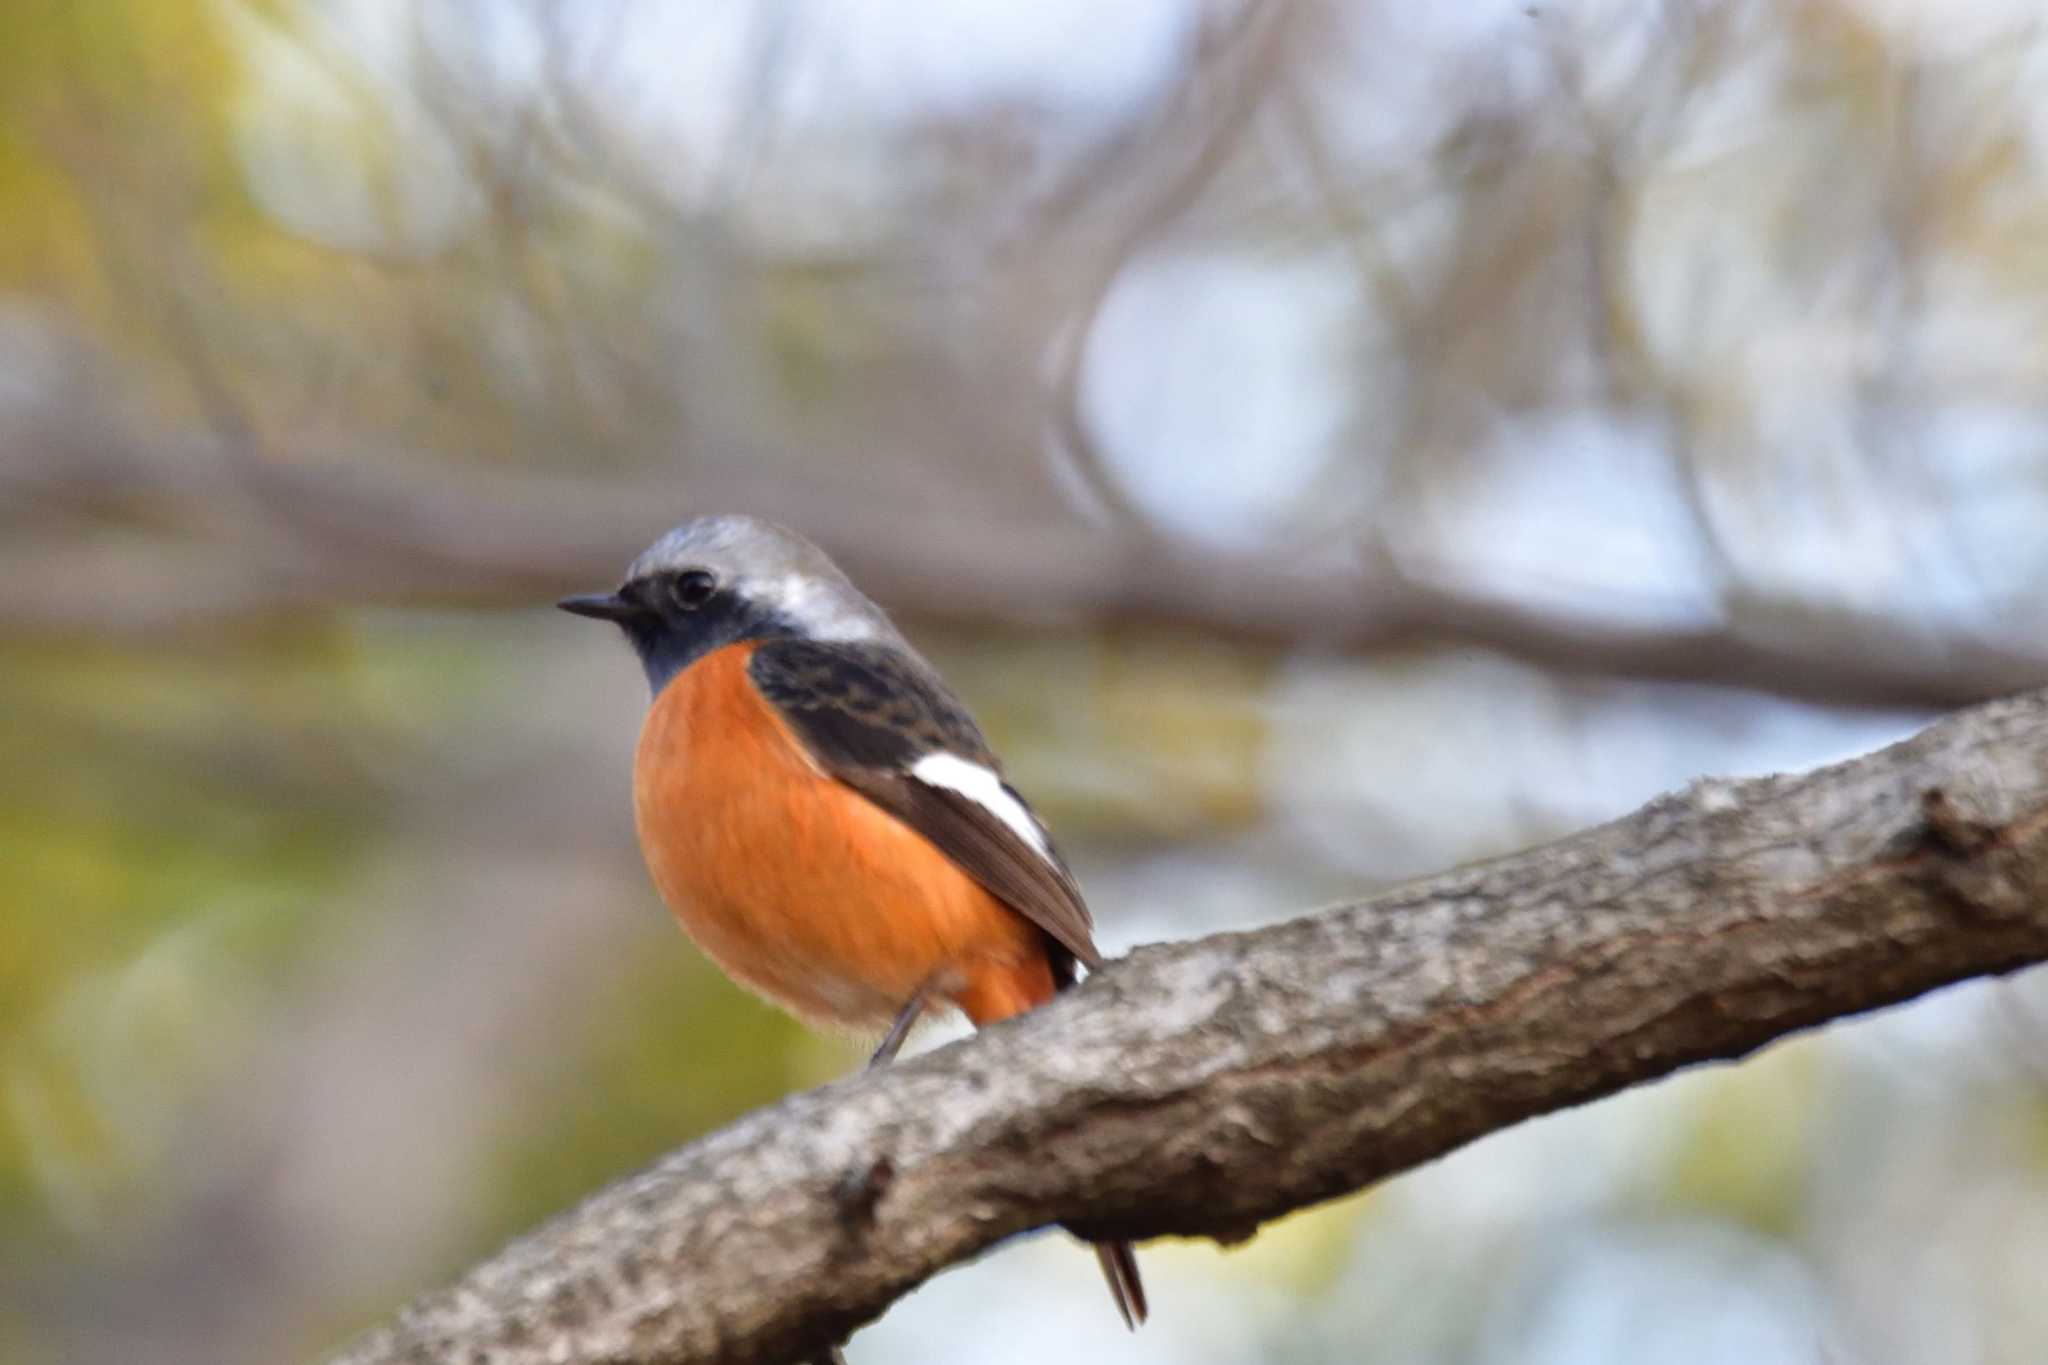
x=821 y=813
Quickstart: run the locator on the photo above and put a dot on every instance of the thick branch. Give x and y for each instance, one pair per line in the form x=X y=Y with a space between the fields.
x=1202 y=1088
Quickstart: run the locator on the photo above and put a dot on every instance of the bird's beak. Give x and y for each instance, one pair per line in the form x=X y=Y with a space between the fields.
x=601 y=606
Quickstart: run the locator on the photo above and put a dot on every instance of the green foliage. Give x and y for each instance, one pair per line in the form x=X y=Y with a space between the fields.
x=678 y=1051
x=176 y=812
x=1745 y=1155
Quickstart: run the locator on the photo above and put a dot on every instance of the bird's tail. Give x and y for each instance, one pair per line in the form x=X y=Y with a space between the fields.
x=1120 y=1268
x=999 y=995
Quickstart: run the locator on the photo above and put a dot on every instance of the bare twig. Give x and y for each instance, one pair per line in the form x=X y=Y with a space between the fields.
x=1238 y=69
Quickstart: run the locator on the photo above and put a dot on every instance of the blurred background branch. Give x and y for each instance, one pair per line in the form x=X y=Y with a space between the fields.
x=714 y=386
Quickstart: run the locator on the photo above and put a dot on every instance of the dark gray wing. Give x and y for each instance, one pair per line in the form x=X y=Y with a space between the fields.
x=869 y=714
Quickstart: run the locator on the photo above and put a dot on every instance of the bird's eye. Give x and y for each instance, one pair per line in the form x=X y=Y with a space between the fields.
x=692 y=589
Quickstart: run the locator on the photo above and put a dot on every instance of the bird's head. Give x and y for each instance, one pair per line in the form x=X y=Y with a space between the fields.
x=716 y=581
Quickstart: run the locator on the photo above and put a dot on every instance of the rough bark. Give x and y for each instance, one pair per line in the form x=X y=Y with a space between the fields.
x=1201 y=1088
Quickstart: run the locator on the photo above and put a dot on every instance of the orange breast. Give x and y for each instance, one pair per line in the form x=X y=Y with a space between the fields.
x=800 y=887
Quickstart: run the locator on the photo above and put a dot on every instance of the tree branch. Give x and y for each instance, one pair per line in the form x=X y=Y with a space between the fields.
x=309 y=526
x=324 y=531
x=1201 y=1088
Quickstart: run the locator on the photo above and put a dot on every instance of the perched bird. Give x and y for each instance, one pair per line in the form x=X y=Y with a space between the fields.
x=819 y=810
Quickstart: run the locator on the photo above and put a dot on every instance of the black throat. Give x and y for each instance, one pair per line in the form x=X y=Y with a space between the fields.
x=669 y=639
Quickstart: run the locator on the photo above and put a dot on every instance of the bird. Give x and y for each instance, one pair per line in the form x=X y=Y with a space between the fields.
x=820 y=812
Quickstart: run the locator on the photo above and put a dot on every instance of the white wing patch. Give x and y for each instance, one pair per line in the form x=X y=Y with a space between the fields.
x=981 y=786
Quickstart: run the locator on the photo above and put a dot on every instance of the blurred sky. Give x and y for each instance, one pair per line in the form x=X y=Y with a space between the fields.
x=1326 y=442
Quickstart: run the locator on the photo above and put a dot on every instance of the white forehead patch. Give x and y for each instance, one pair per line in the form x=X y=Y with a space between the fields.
x=981 y=786
x=823 y=610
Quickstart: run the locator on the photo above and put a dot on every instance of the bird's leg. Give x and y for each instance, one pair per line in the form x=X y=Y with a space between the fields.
x=892 y=1042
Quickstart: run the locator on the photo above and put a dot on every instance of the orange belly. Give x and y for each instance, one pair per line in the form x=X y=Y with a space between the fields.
x=798 y=886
